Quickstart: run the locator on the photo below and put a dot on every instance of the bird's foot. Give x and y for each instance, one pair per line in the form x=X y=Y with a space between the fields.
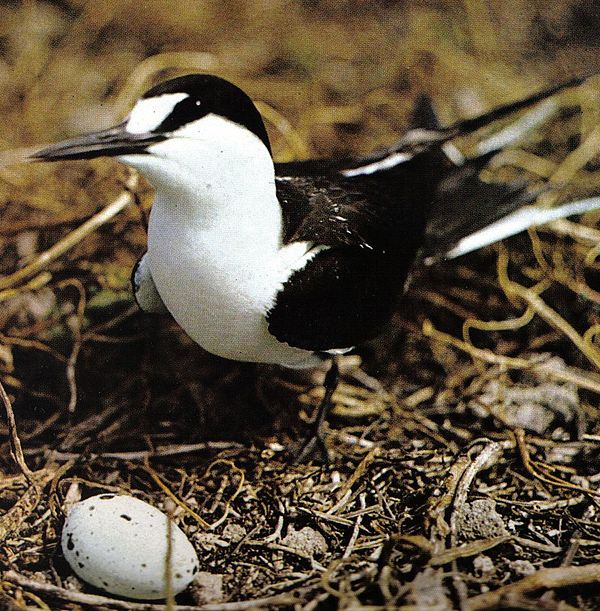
x=315 y=443
x=313 y=448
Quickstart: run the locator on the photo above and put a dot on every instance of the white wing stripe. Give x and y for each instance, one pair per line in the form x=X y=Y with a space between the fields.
x=383 y=164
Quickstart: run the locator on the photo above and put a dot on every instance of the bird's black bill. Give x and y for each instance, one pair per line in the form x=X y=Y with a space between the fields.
x=107 y=143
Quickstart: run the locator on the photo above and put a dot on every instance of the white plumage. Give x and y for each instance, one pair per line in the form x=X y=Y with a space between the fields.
x=214 y=239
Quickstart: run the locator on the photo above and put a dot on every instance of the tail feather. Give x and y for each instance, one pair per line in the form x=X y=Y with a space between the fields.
x=468 y=213
x=427 y=136
x=517 y=221
x=517 y=130
x=468 y=126
x=465 y=205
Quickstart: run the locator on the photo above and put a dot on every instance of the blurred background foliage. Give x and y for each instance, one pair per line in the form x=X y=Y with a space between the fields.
x=343 y=73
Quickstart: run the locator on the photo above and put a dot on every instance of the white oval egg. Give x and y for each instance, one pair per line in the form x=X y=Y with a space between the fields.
x=119 y=544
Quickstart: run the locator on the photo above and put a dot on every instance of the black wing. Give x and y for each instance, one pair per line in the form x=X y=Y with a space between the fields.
x=373 y=227
x=376 y=227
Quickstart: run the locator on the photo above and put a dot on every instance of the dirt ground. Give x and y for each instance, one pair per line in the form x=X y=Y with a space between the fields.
x=464 y=440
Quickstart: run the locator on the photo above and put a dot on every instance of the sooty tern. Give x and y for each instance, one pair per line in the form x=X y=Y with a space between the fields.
x=293 y=262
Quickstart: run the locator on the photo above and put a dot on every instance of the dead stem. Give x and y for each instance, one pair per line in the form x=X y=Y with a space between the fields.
x=547 y=579
x=581 y=378
x=73 y=238
x=154 y=475
x=97 y=601
x=15 y=442
x=536 y=468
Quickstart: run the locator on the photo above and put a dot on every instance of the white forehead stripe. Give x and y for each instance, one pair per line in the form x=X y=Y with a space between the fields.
x=149 y=113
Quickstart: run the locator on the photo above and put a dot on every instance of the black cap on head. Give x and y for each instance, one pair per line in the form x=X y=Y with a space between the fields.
x=204 y=94
x=208 y=94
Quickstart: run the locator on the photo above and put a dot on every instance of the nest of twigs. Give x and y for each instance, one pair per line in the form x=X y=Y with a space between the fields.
x=464 y=440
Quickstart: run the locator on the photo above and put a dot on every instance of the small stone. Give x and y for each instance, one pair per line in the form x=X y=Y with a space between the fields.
x=483 y=565
x=534 y=406
x=306 y=541
x=234 y=532
x=480 y=520
x=522 y=568
x=207 y=588
x=427 y=591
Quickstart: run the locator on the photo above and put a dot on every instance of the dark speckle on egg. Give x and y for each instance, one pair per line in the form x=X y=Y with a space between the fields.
x=70 y=544
x=125 y=517
x=81 y=565
x=106 y=497
x=178 y=575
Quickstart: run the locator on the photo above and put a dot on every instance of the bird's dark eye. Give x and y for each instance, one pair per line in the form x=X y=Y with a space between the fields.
x=188 y=110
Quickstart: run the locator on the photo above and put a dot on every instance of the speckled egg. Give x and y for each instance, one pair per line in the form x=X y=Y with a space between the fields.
x=119 y=544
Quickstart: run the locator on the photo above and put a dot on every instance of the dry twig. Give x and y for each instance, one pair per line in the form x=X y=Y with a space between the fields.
x=546 y=579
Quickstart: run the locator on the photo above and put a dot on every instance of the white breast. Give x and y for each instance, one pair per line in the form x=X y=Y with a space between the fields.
x=220 y=297
x=214 y=241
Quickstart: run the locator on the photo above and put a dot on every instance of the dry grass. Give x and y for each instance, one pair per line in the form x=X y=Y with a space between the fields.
x=466 y=449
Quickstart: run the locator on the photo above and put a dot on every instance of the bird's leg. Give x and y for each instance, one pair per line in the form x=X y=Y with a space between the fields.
x=315 y=443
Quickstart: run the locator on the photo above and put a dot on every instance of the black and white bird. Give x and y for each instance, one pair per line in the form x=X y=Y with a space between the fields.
x=290 y=263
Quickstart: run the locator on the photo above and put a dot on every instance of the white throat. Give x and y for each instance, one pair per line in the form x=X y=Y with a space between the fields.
x=214 y=238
